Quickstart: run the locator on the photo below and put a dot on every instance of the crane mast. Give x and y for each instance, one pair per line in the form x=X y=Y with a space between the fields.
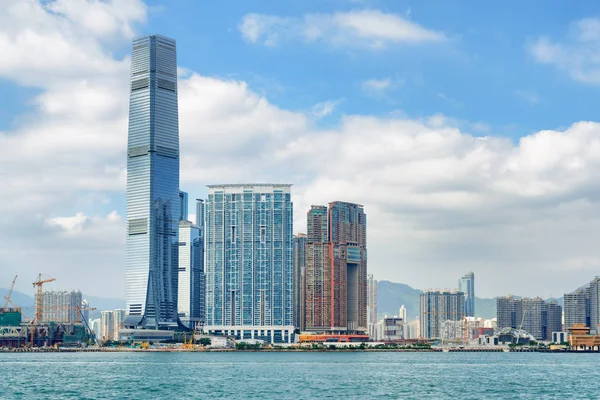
x=39 y=283
x=7 y=297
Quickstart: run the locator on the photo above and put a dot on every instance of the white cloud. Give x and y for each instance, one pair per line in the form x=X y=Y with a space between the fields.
x=578 y=54
x=325 y=108
x=357 y=28
x=530 y=97
x=440 y=201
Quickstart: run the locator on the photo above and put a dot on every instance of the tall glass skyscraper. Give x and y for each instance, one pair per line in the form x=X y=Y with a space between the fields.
x=466 y=284
x=152 y=186
x=249 y=266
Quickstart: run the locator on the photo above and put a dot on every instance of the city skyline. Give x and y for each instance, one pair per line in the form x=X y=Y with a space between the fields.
x=458 y=173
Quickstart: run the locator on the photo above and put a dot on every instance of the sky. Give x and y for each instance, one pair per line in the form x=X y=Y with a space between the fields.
x=467 y=129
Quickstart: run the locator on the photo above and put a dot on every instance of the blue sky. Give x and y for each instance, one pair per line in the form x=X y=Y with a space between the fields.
x=468 y=129
x=482 y=73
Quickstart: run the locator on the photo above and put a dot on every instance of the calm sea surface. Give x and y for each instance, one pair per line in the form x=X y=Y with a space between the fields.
x=299 y=375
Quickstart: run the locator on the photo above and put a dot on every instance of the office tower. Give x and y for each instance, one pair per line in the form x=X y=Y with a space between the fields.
x=299 y=268
x=61 y=306
x=190 y=295
x=466 y=284
x=371 y=304
x=336 y=268
x=402 y=313
x=582 y=306
x=200 y=215
x=438 y=307
x=183 y=206
x=535 y=316
x=152 y=186
x=249 y=261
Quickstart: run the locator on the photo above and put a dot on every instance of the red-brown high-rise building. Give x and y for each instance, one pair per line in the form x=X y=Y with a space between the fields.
x=336 y=269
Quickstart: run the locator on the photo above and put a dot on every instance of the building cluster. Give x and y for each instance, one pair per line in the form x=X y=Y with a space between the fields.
x=108 y=325
x=535 y=316
x=443 y=311
x=237 y=270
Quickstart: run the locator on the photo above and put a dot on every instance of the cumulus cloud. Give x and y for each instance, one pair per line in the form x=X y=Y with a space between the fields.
x=440 y=201
x=357 y=28
x=578 y=54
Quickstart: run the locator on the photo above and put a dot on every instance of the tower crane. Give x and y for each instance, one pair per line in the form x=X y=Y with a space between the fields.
x=39 y=283
x=7 y=297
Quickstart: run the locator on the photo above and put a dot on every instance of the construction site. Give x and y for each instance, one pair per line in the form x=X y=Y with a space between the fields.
x=48 y=327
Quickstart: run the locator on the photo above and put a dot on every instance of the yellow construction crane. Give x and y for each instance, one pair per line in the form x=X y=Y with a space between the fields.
x=7 y=297
x=38 y=300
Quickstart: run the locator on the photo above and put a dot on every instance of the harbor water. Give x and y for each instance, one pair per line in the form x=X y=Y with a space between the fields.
x=299 y=375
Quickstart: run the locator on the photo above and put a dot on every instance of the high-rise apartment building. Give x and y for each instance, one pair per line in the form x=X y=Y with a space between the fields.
x=583 y=307
x=299 y=269
x=336 y=268
x=371 y=304
x=191 y=291
x=535 y=316
x=466 y=284
x=402 y=313
x=152 y=185
x=61 y=306
x=111 y=321
x=249 y=261
x=183 y=206
x=107 y=325
x=438 y=307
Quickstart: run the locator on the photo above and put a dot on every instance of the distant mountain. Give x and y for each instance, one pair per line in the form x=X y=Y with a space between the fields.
x=391 y=296
x=26 y=302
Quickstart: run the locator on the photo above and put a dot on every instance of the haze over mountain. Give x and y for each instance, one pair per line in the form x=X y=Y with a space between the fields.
x=391 y=295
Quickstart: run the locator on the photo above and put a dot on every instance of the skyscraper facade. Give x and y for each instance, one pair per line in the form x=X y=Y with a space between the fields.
x=336 y=268
x=371 y=304
x=183 y=206
x=152 y=186
x=438 y=307
x=466 y=284
x=583 y=306
x=190 y=294
x=299 y=269
x=249 y=261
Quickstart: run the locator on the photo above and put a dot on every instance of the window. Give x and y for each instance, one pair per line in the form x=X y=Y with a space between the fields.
x=263 y=234
x=233 y=234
